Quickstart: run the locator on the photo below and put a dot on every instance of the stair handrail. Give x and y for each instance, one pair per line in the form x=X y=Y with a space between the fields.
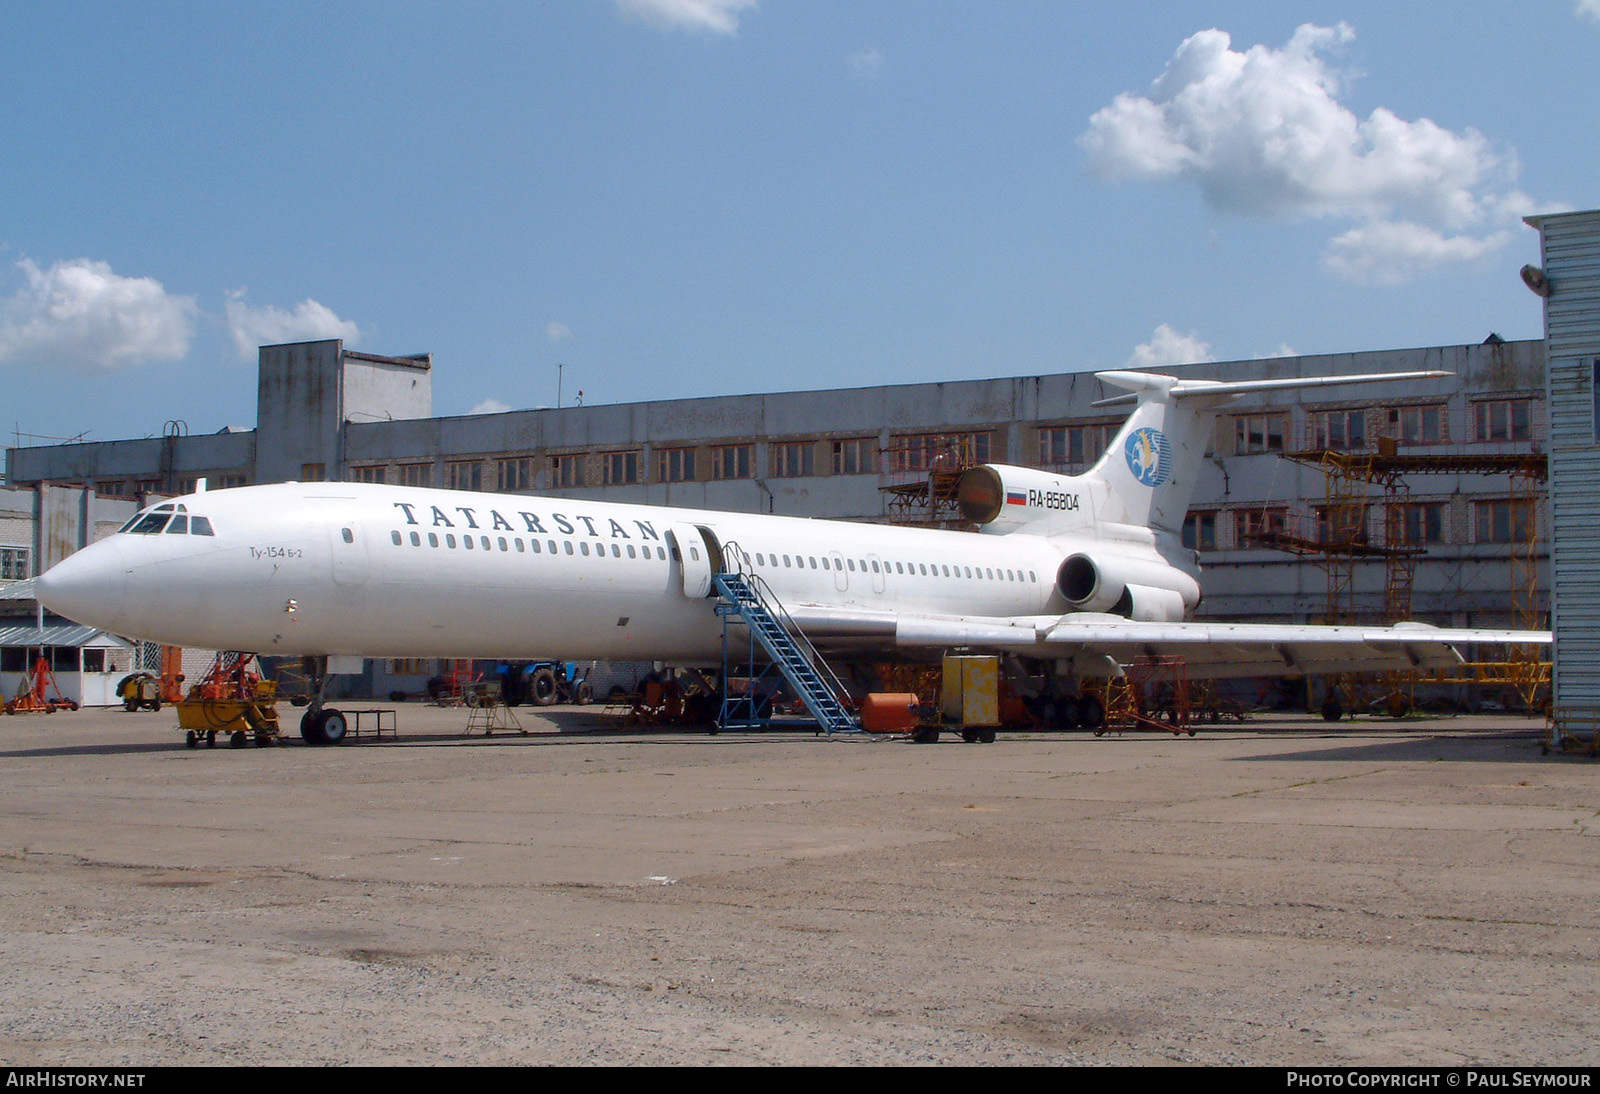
x=769 y=600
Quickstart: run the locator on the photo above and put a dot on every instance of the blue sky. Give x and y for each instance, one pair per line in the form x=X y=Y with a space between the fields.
x=686 y=197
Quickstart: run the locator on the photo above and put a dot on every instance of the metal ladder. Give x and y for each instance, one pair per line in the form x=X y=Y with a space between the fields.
x=788 y=648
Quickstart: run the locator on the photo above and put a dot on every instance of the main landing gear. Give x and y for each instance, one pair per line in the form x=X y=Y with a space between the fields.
x=320 y=725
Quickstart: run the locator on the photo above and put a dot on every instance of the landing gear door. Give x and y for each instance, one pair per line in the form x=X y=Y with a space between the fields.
x=691 y=552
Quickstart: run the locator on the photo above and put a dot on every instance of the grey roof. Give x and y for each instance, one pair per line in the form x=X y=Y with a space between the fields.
x=17 y=590
x=56 y=634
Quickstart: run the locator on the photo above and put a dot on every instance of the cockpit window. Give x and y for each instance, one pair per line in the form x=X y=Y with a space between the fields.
x=200 y=526
x=179 y=526
x=150 y=524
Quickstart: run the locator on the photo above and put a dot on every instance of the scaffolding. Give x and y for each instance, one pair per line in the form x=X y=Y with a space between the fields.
x=920 y=474
x=1343 y=536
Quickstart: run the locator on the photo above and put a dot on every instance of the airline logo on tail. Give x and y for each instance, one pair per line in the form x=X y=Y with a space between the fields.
x=1149 y=456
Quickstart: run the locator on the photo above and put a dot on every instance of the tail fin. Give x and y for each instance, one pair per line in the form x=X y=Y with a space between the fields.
x=1149 y=469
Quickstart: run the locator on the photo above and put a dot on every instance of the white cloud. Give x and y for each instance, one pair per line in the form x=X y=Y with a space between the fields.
x=310 y=321
x=1589 y=9
x=1262 y=132
x=1168 y=347
x=490 y=406
x=558 y=331
x=869 y=62
x=719 y=16
x=80 y=314
x=1391 y=252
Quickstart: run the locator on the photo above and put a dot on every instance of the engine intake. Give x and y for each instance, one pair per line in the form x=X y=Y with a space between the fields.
x=1145 y=590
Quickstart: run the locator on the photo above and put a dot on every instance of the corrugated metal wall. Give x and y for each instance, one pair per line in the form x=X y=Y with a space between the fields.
x=1571 y=250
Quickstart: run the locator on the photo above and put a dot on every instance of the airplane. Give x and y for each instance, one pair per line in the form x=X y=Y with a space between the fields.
x=1071 y=577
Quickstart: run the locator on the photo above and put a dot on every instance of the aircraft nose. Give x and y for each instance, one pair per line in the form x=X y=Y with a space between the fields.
x=87 y=587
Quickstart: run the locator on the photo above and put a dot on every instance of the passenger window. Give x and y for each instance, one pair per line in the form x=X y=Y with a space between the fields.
x=631 y=553
x=786 y=561
x=178 y=527
x=484 y=540
x=616 y=552
x=583 y=549
x=349 y=537
x=502 y=542
x=449 y=539
x=568 y=544
x=466 y=541
x=395 y=536
x=661 y=554
x=852 y=563
x=518 y=542
x=536 y=546
x=813 y=563
x=825 y=565
x=552 y=546
x=433 y=539
x=200 y=526
x=875 y=566
x=416 y=540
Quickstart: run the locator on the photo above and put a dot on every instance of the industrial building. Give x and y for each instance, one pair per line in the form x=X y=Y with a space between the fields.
x=1279 y=539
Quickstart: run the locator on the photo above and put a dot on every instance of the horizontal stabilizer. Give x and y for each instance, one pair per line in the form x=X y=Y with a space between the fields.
x=1137 y=382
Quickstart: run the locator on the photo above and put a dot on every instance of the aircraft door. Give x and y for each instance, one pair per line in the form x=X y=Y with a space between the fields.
x=349 y=549
x=841 y=580
x=880 y=573
x=692 y=548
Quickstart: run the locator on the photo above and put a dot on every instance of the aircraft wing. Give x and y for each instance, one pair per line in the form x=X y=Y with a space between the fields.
x=1099 y=643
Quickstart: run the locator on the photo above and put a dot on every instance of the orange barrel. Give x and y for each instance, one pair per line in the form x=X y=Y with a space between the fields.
x=889 y=712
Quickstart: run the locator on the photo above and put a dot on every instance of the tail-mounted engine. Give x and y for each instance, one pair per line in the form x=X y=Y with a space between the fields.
x=1019 y=499
x=1147 y=591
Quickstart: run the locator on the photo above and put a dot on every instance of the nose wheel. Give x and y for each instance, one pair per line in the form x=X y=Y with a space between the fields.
x=323 y=726
x=320 y=725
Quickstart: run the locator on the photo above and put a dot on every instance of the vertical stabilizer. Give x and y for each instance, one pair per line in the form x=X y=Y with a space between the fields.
x=1149 y=468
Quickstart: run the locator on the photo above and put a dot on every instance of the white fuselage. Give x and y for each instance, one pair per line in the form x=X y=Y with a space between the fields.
x=386 y=571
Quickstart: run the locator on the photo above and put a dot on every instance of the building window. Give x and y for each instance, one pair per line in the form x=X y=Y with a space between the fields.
x=566 y=471
x=1200 y=531
x=230 y=481
x=1503 y=420
x=1418 y=424
x=1343 y=430
x=1420 y=524
x=111 y=489
x=464 y=475
x=312 y=472
x=1342 y=525
x=675 y=465
x=1503 y=521
x=1248 y=524
x=416 y=474
x=857 y=456
x=1255 y=433
x=410 y=666
x=515 y=475
x=376 y=473
x=1064 y=446
x=620 y=468
x=14 y=563
x=732 y=461
x=938 y=451
x=793 y=459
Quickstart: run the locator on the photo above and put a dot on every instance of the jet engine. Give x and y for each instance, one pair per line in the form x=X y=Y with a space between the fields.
x=1011 y=499
x=1149 y=591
